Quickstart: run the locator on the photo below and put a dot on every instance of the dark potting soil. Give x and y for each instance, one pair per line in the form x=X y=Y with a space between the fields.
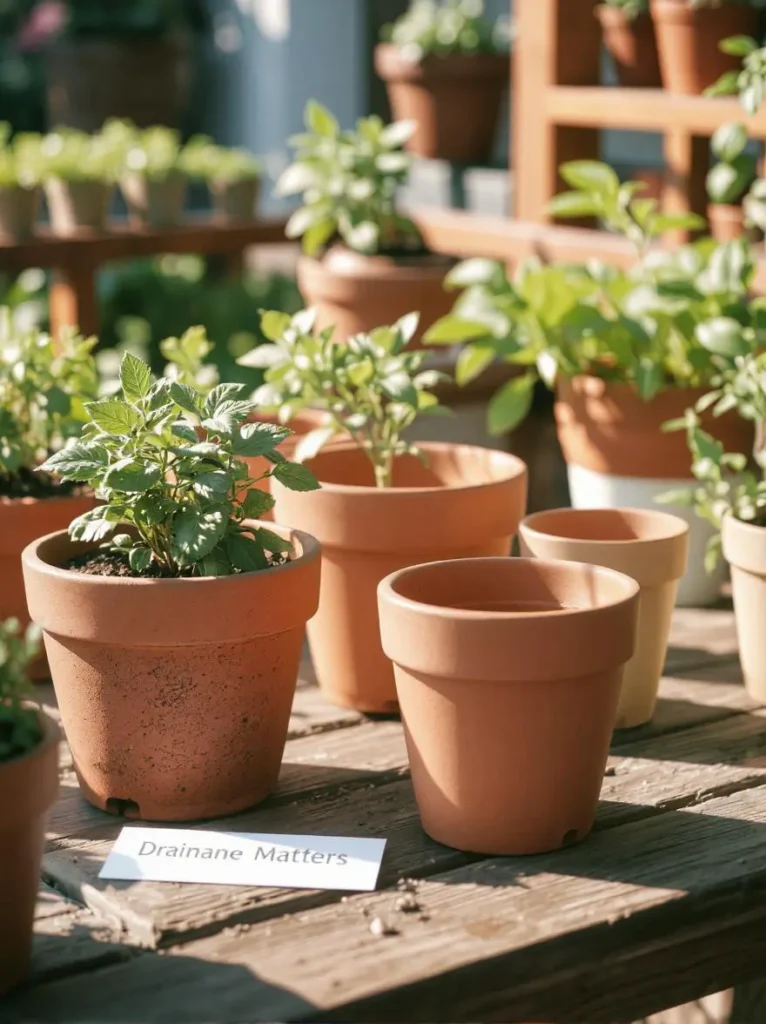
x=30 y=484
x=115 y=563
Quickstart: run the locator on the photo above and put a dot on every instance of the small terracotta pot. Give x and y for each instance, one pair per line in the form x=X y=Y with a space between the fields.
x=652 y=548
x=744 y=547
x=235 y=200
x=77 y=205
x=508 y=672
x=175 y=694
x=727 y=221
x=356 y=293
x=28 y=787
x=688 y=41
x=466 y=503
x=155 y=203
x=23 y=520
x=455 y=99
x=18 y=213
x=632 y=46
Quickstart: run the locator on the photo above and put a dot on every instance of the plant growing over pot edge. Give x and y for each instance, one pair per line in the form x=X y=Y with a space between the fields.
x=19 y=184
x=79 y=174
x=749 y=83
x=457 y=26
x=154 y=179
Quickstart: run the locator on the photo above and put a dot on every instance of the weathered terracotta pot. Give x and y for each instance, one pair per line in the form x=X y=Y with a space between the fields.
x=744 y=547
x=688 y=41
x=77 y=205
x=632 y=46
x=466 y=503
x=28 y=787
x=175 y=694
x=455 y=99
x=727 y=221
x=235 y=200
x=356 y=293
x=650 y=547
x=18 y=212
x=155 y=203
x=23 y=520
x=508 y=672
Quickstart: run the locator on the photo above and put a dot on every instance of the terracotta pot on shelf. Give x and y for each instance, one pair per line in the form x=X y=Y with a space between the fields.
x=235 y=200
x=508 y=672
x=175 y=694
x=455 y=99
x=356 y=293
x=77 y=205
x=467 y=502
x=18 y=212
x=650 y=547
x=744 y=548
x=632 y=46
x=688 y=41
x=727 y=221
x=618 y=456
x=155 y=203
x=28 y=788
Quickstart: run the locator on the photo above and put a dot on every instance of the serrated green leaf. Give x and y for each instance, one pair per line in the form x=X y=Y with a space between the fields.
x=139 y=559
x=132 y=477
x=80 y=461
x=246 y=554
x=196 y=533
x=272 y=542
x=215 y=484
x=274 y=324
x=295 y=476
x=217 y=563
x=135 y=377
x=92 y=526
x=184 y=396
x=113 y=416
x=257 y=503
x=257 y=438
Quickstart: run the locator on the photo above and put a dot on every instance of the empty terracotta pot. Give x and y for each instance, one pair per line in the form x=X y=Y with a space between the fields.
x=156 y=203
x=77 y=205
x=356 y=293
x=744 y=547
x=650 y=547
x=28 y=787
x=688 y=41
x=235 y=200
x=632 y=46
x=454 y=99
x=18 y=212
x=508 y=672
x=175 y=694
x=467 y=502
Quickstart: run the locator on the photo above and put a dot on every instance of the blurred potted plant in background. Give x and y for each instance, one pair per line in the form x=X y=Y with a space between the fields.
x=19 y=185
x=153 y=181
x=446 y=68
x=728 y=180
x=629 y=37
x=79 y=175
x=232 y=176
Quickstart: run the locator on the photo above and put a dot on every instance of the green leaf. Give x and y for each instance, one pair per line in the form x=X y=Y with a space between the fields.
x=573 y=204
x=476 y=271
x=452 y=330
x=257 y=503
x=310 y=444
x=245 y=553
x=407 y=326
x=57 y=401
x=273 y=325
x=681 y=496
x=222 y=394
x=295 y=477
x=400 y=387
x=727 y=85
x=183 y=430
x=729 y=140
x=590 y=175
x=196 y=533
x=319 y=234
x=215 y=484
x=472 y=362
x=135 y=377
x=510 y=405
x=185 y=397
x=132 y=477
x=77 y=461
x=650 y=376
x=92 y=526
x=319 y=120
x=140 y=559
x=217 y=563
x=713 y=552
x=258 y=438
x=363 y=237
x=273 y=543
x=722 y=336
x=263 y=357
x=396 y=134
x=113 y=416
x=738 y=46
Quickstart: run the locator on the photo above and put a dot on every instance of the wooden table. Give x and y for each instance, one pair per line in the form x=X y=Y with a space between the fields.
x=664 y=902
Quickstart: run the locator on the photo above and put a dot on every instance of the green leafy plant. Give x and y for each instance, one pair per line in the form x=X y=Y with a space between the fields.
x=451 y=26
x=749 y=83
x=349 y=181
x=201 y=158
x=43 y=388
x=76 y=156
x=631 y=8
x=370 y=388
x=167 y=464
x=155 y=153
x=186 y=358
x=730 y=178
x=19 y=724
x=19 y=167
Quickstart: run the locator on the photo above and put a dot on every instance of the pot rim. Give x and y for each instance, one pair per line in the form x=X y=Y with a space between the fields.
x=378 y=268
x=51 y=735
x=676 y=527
x=7 y=502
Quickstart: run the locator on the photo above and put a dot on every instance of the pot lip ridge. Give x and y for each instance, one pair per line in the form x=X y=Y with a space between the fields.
x=676 y=527
x=8 y=502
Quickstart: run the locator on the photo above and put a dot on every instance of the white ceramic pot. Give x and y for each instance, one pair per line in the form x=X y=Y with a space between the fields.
x=591 y=489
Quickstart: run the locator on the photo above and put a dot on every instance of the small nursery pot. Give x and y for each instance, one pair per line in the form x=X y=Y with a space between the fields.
x=744 y=547
x=632 y=45
x=465 y=503
x=652 y=548
x=28 y=787
x=508 y=672
x=356 y=293
x=454 y=99
x=175 y=694
x=74 y=205
x=18 y=212
x=155 y=203
x=235 y=200
x=688 y=41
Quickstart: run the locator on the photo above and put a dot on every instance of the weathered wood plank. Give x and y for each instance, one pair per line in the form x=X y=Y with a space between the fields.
x=700 y=636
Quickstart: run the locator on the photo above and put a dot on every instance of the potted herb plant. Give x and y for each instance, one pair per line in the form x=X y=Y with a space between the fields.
x=153 y=182
x=233 y=177
x=446 y=68
x=80 y=172
x=363 y=263
x=689 y=33
x=625 y=350
x=749 y=81
x=385 y=503
x=19 y=186
x=43 y=385
x=173 y=620
x=629 y=38
x=728 y=180
x=29 y=741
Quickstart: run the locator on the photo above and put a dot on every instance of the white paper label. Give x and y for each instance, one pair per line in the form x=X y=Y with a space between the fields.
x=244 y=858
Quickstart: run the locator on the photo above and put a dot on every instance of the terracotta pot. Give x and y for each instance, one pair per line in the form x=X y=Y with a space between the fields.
x=466 y=503
x=23 y=520
x=652 y=548
x=155 y=203
x=357 y=293
x=235 y=200
x=74 y=205
x=455 y=99
x=727 y=221
x=688 y=41
x=28 y=787
x=744 y=547
x=632 y=46
x=18 y=213
x=175 y=694
x=508 y=672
